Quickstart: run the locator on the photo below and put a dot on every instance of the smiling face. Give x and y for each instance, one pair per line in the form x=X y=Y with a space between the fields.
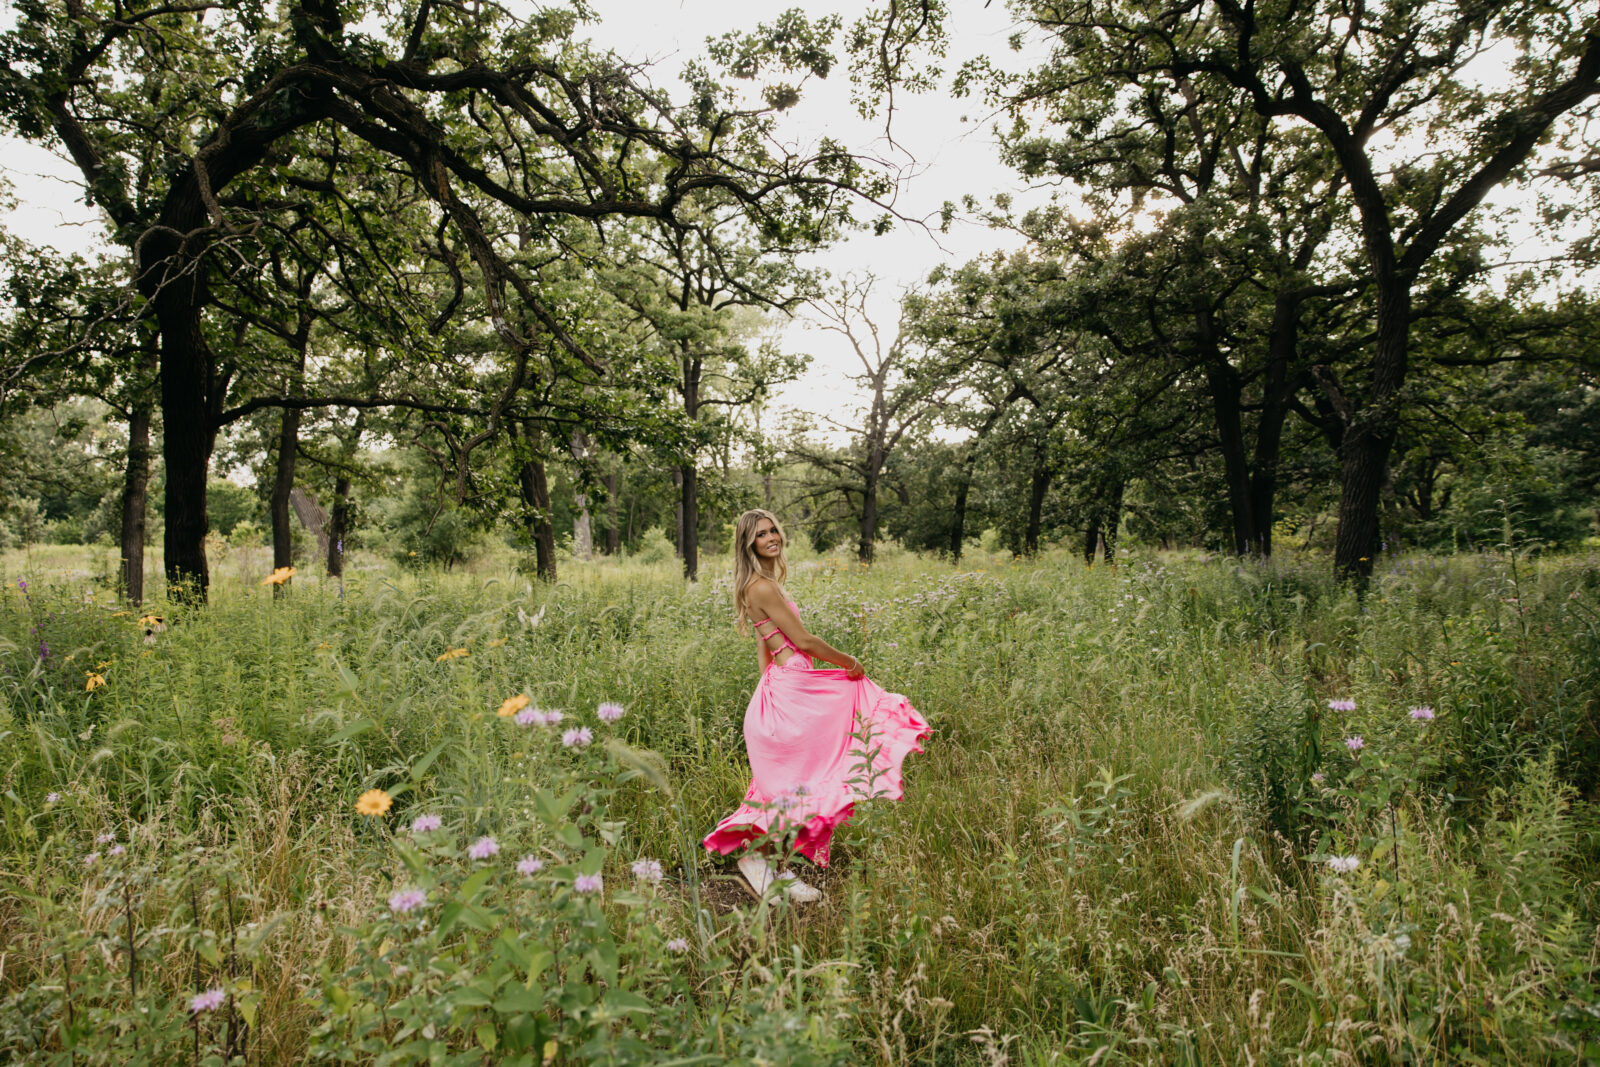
x=767 y=540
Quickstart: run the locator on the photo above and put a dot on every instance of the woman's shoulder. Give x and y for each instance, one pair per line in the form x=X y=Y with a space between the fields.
x=763 y=590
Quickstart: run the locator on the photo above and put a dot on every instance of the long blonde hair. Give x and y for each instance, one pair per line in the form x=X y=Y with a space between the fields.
x=747 y=566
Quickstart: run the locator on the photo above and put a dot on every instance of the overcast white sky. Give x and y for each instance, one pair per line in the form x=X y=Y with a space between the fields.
x=948 y=145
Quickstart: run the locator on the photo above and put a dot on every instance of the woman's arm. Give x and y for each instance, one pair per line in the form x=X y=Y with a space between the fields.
x=765 y=596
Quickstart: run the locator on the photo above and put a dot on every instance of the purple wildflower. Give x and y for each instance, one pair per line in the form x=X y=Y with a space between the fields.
x=51 y=798
x=647 y=870
x=552 y=718
x=609 y=712
x=105 y=839
x=1319 y=777
x=577 y=738
x=588 y=883
x=1343 y=704
x=402 y=901
x=1355 y=743
x=483 y=848
x=1422 y=714
x=115 y=850
x=91 y=859
x=530 y=865
x=529 y=717
x=210 y=1000
x=678 y=944
x=425 y=823
x=1343 y=864
x=22 y=584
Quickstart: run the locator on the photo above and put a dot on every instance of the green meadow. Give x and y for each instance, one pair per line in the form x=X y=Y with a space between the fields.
x=1139 y=834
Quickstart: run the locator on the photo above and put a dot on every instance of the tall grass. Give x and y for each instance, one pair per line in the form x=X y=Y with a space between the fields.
x=1114 y=848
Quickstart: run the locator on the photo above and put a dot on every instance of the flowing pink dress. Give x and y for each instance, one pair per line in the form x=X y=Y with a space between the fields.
x=818 y=743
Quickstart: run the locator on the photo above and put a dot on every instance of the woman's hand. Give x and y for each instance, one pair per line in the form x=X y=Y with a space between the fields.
x=855 y=670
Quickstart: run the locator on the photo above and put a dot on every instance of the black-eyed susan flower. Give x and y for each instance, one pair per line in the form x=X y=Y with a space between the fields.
x=511 y=705
x=373 y=802
x=278 y=576
x=453 y=653
x=93 y=682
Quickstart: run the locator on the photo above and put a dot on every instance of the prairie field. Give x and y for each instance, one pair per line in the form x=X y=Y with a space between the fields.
x=1182 y=810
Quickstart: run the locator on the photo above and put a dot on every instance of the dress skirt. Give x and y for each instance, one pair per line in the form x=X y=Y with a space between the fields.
x=818 y=742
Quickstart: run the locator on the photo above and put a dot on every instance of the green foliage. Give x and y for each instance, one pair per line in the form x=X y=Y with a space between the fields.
x=1089 y=859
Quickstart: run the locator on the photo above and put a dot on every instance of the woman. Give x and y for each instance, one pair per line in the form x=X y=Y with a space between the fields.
x=818 y=740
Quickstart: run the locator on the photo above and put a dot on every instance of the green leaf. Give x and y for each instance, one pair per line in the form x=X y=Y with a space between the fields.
x=621 y=1001
x=473 y=884
x=419 y=768
x=360 y=726
x=520 y=1001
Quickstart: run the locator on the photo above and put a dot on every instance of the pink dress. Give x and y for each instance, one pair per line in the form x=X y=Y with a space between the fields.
x=818 y=742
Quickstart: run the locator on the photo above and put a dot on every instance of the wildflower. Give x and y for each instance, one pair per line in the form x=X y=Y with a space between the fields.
x=373 y=802
x=678 y=944
x=577 y=738
x=588 y=883
x=529 y=717
x=51 y=798
x=483 y=848
x=210 y=1000
x=647 y=870
x=22 y=584
x=105 y=839
x=513 y=704
x=115 y=850
x=94 y=681
x=1343 y=864
x=450 y=653
x=91 y=859
x=1319 y=777
x=530 y=865
x=497 y=642
x=1355 y=743
x=425 y=823
x=1344 y=704
x=402 y=901
x=1422 y=714
x=278 y=576
x=609 y=712
x=551 y=718
x=158 y=623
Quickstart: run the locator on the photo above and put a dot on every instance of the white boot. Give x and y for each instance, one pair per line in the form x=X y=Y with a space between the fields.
x=798 y=891
x=757 y=870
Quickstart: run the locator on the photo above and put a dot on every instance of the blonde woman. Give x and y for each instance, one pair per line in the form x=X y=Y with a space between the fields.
x=818 y=739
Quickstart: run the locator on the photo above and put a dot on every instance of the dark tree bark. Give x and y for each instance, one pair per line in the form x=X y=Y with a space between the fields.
x=278 y=502
x=691 y=522
x=535 y=488
x=613 y=531
x=869 y=502
x=338 y=525
x=1042 y=477
x=958 y=523
x=135 y=503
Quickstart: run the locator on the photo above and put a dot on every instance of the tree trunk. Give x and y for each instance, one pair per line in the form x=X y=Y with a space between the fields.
x=282 y=484
x=135 y=502
x=613 y=531
x=1113 y=520
x=1223 y=383
x=1369 y=437
x=677 y=514
x=582 y=522
x=1091 y=538
x=188 y=438
x=958 y=522
x=535 y=490
x=338 y=526
x=869 y=505
x=1041 y=487
x=691 y=523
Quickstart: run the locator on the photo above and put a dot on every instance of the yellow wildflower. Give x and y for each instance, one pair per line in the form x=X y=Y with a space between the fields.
x=279 y=576
x=373 y=802
x=454 y=653
x=153 y=622
x=102 y=666
x=497 y=642
x=323 y=647
x=511 y=705
x=95 y=681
